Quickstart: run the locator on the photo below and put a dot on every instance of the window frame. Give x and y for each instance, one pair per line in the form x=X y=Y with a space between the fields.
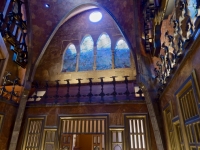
x=146 y=129
x=64 y=54
x=114 y=53
x=78 y=45
x=97 y=50
x=117 y=129
x=190 y=83
x=82 y=51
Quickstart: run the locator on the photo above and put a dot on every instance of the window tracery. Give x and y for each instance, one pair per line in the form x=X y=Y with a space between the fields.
x=86 y=59
x=69 y=60
x=122 y=55
x=104 y=54
x=99 y=57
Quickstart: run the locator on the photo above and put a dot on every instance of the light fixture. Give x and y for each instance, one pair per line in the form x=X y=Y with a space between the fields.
x=47 y=5
x=95 y=16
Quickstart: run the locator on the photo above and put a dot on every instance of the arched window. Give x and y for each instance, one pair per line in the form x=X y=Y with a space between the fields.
x=104 y=54
x=122 y=55
x=69 y=60
x=86 y=60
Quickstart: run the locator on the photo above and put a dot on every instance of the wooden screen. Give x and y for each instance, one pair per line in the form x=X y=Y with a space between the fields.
x=188 y=96
x=191 y=117
x=76 y=126
x=33 y=134
x=188 y=104
x=137 y=132
x=170 y=128
x=71 y=127
x=49 y=139
x=179 y=135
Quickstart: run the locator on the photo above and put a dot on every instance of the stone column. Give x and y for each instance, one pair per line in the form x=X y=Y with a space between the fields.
x=95 y=57
x=113 y=56
x=18 y=121
x=155 y=120
x=77 y=57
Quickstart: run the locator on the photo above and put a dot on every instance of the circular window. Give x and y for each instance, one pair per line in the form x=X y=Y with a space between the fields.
x=95 y=16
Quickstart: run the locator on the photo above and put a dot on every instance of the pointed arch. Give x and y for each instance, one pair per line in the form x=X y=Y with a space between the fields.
x=117 y=147
x=122 y=54
x=104 y=53
x=86 y=59
x=69 y=59
x=74 y=11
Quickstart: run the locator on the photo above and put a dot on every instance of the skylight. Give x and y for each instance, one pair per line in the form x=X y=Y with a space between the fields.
x=95 y=16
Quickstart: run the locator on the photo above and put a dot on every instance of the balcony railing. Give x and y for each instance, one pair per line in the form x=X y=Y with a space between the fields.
x=49 y=92
x=10 y=90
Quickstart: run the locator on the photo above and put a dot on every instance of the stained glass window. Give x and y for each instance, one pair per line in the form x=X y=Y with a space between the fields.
x=104 y=54
x=69 y=63
x=122 y=55
x=86 y=60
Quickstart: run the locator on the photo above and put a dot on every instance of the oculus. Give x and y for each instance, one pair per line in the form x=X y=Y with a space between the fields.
x=95 y=16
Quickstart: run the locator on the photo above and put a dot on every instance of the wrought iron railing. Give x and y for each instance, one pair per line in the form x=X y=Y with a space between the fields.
x=8 y=89
x=52 y=92
x=13 y=28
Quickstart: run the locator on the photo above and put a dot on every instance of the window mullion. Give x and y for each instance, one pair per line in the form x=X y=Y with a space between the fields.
x=95 y=58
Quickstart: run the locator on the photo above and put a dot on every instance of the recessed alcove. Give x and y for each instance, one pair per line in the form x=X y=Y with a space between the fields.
x=102 y=59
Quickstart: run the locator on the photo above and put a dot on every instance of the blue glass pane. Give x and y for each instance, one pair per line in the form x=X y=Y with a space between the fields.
x=86 y=60
x=104 y=54
x=122 y=55
x=69 y=64
x=191 y=6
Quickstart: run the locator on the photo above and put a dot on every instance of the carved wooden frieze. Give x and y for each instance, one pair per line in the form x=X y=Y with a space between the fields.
x=180 y=27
